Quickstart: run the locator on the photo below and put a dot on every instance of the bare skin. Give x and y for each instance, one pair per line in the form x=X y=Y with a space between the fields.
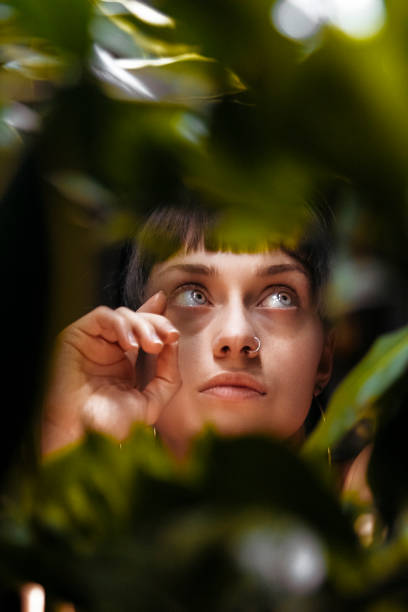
x=213 y=305
x=241 y=297
x=94 y=383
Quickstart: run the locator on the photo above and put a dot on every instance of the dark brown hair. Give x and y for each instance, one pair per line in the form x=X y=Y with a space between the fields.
x=169 y=228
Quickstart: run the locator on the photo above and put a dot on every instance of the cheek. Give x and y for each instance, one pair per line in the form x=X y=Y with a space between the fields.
x=291 y=366
x=314 y=342
x=193 y=358
x=295 y=339
x=181 y=418
x=194 y=341
x=300 y=355
x=188 y=321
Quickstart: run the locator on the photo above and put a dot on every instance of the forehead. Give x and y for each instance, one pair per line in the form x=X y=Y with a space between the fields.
x=227 y=264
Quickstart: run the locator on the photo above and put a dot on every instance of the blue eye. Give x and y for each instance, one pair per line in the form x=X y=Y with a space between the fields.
x=279 y=299
x=191 y=297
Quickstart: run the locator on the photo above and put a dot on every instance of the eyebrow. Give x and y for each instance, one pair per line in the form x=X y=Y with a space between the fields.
x=261 y=271
x=192 y=268
x=278 y=268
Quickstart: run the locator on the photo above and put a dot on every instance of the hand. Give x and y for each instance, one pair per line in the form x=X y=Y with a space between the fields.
x=95 y=384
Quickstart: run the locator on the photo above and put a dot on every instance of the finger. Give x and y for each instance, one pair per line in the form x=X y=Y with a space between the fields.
x=165 y=383
x=161 y=325
x=152 y=331
x=146 y=334
x=94 y=349
x=110 y=325
x=155 y=304
x=123 y=370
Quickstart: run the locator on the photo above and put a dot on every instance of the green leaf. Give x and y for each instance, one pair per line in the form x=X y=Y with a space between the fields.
x=63 y=23
x=104 y=524
x=356 y=396
x=389 y=456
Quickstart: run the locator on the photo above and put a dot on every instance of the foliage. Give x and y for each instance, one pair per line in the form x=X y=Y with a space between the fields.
x=356 y=398
x=108 y=109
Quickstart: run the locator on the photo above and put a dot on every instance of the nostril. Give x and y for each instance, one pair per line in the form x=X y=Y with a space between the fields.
x=225 y=349
x=246 y=348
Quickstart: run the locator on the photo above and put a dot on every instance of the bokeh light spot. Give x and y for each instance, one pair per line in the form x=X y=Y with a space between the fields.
x=302 y=19
x=284 y=559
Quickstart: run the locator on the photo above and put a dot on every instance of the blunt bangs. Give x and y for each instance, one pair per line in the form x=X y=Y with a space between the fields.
x=169 y=230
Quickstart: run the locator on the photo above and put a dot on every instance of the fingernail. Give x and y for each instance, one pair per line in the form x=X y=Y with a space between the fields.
x=132 y=339
x=155 y=338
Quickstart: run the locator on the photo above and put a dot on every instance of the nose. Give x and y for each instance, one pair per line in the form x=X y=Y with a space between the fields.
x=235 y=335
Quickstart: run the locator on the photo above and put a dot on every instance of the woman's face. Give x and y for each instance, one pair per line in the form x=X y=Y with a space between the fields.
x=221 y=302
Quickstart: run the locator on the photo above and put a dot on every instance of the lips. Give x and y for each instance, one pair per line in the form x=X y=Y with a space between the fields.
x=233 y=386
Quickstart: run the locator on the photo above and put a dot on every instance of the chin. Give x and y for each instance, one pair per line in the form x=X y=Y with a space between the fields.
x=235 y=425
x=246 y=421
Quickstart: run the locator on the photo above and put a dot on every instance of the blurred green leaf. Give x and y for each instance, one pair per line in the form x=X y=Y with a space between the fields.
x=250 y=35
x=356 y=396
x=31 y=64
x=147 y=39
x=388 y=465
x=99 y=505
x=216 y=102
x=63 y=23
x=146 y=13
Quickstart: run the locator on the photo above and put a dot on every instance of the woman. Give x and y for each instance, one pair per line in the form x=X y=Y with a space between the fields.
x=207 y=336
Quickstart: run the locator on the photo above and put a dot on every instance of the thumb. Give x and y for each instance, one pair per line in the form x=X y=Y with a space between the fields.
x=155 y=304
x=164 y=385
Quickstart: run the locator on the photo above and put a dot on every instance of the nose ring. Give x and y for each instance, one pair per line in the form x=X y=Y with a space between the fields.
x=256 y=349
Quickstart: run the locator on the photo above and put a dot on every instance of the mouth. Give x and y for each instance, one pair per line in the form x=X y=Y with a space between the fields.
x=233 y=386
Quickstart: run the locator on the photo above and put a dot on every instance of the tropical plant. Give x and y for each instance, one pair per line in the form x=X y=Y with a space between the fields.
x=109 y=107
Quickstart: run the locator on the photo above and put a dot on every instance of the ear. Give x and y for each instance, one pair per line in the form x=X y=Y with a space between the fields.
x=325 y=367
